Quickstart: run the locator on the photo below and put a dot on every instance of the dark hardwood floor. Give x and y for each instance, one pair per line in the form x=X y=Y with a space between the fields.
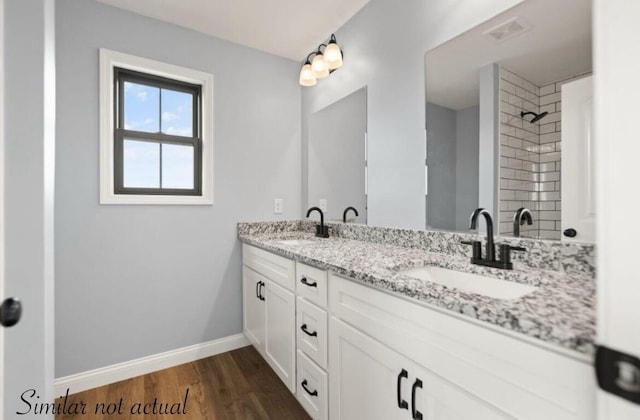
x=234 y=385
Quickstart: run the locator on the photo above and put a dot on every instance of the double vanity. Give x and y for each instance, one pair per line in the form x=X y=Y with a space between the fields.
x=383 y=323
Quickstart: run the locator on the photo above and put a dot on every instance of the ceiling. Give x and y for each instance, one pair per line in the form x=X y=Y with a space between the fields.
x=287 y=28
x=557 y=45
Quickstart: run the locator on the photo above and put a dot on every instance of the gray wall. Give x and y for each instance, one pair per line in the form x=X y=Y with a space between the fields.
x=467 y=149
x=452 y=158
x=138 y=280
x=28 y=172
x=384 y=47
x=441 y=161
x=337 y=156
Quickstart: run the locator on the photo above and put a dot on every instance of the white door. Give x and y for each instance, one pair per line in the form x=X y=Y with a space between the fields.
x=280 y=333
x=578 y=162
x=617 y=113
x=27 y=142
x=253 y=307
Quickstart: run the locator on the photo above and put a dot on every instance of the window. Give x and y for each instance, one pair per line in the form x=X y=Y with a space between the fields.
x=156 y=132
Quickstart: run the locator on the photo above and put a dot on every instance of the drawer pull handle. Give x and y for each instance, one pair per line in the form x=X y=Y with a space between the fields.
x=401 y=403
x=306 y=331
x=260 y=286
x=416 y=415
x=306 y=282
x=313 y=393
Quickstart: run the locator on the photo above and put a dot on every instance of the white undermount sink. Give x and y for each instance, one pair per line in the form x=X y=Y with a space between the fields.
x=296 y=242
x=473 y=283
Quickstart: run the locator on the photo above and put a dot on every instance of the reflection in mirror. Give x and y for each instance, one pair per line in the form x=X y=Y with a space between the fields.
x=506 y=107
x=337 y=158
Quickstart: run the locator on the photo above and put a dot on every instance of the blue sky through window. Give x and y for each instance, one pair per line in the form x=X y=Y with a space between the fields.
x=143 y=112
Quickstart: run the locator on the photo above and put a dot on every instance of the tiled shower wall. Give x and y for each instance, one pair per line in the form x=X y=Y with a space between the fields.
x=519 y=145
x=530 y=155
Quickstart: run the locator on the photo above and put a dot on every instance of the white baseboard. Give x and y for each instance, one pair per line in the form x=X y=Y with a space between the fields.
x=121 y=371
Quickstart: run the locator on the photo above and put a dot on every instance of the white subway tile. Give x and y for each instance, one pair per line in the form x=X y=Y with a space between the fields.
x=547 y=128
x=548 y=89
x=548 y=108
x=549 y=157
x=550 y=215
x=547 y=99
x=507 y=194
x=554 y=117
x=507 y=86
x=550 y=137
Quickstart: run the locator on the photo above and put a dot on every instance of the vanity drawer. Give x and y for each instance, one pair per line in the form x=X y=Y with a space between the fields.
x=278 y=269
x=311 y=324
x=311 y=283
x=312 y=388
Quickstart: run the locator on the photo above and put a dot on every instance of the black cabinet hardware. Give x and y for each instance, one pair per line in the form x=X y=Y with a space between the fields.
x=313 y=393
x=10 y=312
x=618 y=373
x=260 y=286
x=306 y=282
x=306 y=331
x=570 y=233
x=415 y=414
x=401 y=403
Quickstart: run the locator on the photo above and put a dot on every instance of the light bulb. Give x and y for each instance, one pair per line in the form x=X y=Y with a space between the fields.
x=306 y=76
x=333 y=56
x=319 y=67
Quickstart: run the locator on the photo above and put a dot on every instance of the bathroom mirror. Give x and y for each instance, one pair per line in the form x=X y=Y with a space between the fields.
x=499 y=133
x=337 y=176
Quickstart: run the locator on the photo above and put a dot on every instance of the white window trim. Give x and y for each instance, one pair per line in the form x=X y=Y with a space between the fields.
x=110 y=59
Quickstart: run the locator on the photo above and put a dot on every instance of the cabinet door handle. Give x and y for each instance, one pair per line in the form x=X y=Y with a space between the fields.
x=306 y=331
x=416 y=415
x=401 y=403
x=313 y=393
x=260 y=295
x=306 y=282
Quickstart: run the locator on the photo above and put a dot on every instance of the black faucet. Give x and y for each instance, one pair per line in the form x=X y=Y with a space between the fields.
x=344 y=215
x=489 y=260
x=491 y=249
x=521 y=216
x=322 y=231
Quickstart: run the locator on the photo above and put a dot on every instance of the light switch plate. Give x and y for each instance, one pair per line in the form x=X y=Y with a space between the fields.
x=278 y=205
x=323 y=204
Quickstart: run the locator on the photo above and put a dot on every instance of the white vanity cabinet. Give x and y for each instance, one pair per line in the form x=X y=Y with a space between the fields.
x=390 y=358
x=349 y=351
x=312 y=340
x=269 y=309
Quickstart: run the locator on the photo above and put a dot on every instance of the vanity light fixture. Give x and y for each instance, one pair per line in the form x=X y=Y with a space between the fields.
x=326 y=59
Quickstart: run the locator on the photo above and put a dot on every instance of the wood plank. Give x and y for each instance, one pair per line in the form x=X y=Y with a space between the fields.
x=237 y=385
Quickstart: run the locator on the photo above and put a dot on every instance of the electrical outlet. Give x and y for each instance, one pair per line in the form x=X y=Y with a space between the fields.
x=323 y=204
x=278 y=205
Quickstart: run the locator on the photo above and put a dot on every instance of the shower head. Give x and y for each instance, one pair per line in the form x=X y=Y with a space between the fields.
x=536 y=117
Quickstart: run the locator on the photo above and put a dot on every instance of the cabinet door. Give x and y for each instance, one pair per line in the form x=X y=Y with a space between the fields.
x=438 y=399
x=367 y=380
x=253 y=307
x=280 y=334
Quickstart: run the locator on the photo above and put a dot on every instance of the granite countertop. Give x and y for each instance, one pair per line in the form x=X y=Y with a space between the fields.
x=561 y=311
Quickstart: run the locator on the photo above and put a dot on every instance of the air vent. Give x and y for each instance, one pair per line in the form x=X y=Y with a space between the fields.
x=507 y=30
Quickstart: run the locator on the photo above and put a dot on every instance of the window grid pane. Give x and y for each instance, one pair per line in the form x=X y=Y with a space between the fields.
x=160 y=155
x=141 y=164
